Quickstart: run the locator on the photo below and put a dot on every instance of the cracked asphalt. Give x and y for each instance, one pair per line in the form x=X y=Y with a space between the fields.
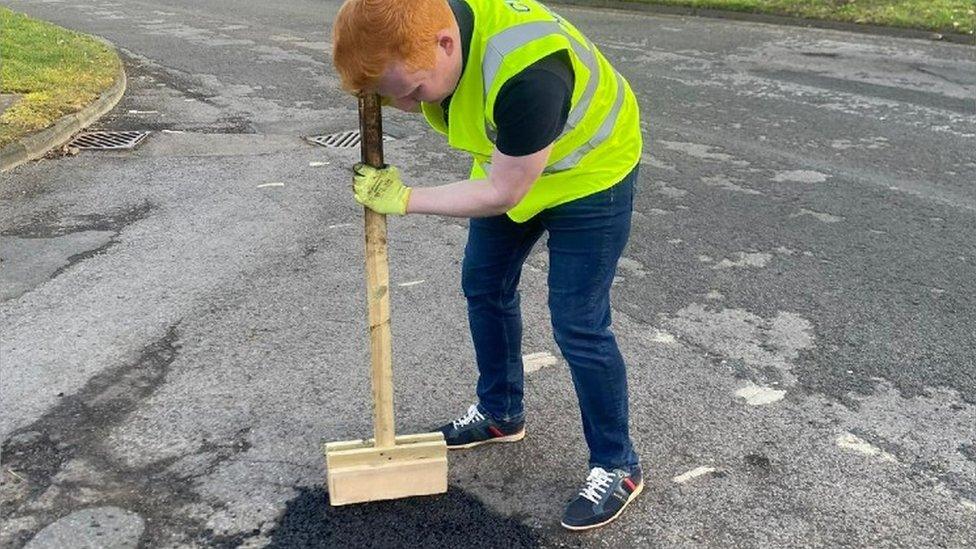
x=183 y=325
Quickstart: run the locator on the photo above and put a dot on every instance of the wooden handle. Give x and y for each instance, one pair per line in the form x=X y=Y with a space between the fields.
x=377 y=282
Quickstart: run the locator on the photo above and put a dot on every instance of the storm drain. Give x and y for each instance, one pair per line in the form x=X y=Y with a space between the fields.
x=341 y=140
x=108 y=141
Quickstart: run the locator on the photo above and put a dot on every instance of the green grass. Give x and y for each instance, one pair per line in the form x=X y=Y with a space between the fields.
x=944 y=16
x=56 y=70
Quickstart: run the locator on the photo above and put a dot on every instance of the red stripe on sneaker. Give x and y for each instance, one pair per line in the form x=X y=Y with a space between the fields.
x=495 y=431
x=630 y=484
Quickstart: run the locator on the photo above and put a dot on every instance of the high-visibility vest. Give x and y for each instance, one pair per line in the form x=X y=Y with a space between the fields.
x=601 y=142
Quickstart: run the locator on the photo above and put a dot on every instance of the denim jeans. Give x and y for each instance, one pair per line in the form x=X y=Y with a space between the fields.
x=586 y=238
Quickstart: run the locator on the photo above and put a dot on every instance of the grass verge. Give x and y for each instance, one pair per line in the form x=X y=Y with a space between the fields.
x=943 y=16
x=54 y=71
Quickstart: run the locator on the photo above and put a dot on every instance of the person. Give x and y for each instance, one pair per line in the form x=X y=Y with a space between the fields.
x=554 y=133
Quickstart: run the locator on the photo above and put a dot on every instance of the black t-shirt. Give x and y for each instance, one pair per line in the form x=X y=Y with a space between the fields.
x=532 y=106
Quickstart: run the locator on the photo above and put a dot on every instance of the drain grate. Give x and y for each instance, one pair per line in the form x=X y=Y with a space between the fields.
x=341 y=140
x=108 y=141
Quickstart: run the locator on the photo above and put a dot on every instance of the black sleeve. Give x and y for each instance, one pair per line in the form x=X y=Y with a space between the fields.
x=531 y=108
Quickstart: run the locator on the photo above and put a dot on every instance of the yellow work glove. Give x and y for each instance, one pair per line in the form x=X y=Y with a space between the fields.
x=380 y=190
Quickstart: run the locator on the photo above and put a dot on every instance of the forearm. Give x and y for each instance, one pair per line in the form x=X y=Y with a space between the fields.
x=468 y=198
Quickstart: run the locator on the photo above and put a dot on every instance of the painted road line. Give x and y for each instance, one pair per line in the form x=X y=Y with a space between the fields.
x=849 y=441
x=758 y=395
x=693 y=474
x=537 y=361
x=660 y=336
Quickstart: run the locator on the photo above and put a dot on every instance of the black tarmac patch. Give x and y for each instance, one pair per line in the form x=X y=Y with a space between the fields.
x=455 y=519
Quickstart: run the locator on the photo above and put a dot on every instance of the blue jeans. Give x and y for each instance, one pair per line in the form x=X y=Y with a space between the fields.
x=586 y=238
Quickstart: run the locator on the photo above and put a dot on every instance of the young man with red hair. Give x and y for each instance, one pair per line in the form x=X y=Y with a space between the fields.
x=555 y=136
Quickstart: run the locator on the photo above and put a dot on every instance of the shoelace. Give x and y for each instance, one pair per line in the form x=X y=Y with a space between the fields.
x=597 y=483
x=470 y=417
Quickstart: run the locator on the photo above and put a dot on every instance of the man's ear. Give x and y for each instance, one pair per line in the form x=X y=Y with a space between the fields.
x=446 y=42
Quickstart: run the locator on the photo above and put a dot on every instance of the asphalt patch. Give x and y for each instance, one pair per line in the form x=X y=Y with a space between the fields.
x=455 y=519
x=41 y=250
x=50 y=225
x=73 y=433
x=758 y=462
x=39 y=450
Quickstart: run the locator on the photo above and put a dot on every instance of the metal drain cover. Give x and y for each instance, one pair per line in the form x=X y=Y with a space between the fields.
x=341 y=140
x=108 y=141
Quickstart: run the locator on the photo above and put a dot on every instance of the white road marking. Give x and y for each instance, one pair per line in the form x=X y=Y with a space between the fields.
x=261 y=186
x=724 y=182
x=746 y=259
x=862 y=143
x=757 y=395
x=411 y=283
x=849 y=441
x=663 y=337
x=632 y=266
x=694 y=473
x=824 y=217
x=339 y=225
x=800 y=176
x=133 y=111
x=696 y=150
x=317 y=164
x=537 y=361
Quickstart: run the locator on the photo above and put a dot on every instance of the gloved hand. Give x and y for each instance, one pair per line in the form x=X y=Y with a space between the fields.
x=380 y=190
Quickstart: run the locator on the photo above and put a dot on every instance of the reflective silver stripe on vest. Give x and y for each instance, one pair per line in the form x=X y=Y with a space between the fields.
x=512 y=38
x=584 y=103
x=573 y=158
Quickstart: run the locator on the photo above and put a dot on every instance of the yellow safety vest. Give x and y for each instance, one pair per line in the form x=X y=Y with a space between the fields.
x=601 y=142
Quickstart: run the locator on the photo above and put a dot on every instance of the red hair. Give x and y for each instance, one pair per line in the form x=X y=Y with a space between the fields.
x=368 y=35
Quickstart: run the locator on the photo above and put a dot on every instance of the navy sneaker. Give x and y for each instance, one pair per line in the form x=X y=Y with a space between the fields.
x=475 y=428
x=604 y=497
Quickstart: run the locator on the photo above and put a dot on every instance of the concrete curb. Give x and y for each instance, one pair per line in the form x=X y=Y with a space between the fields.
x=37 y=144
x=772 y=19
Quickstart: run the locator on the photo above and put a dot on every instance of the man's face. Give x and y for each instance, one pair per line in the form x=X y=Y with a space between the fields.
x=406 y=89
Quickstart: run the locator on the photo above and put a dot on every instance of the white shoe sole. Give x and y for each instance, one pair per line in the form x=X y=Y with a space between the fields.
x=510 y=438
x=640 y=488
